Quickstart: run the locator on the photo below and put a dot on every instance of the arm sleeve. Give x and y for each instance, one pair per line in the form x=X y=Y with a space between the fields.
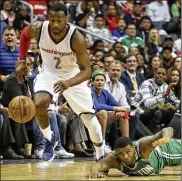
x=25 y=40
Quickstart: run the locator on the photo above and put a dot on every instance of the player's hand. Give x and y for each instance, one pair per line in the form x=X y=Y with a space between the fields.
x=97 y=175
x=161 y=141
x=60 y=86
x=20 y=70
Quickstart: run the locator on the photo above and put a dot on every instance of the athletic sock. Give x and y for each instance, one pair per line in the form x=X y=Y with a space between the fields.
x=99 y=151
x=47 y=132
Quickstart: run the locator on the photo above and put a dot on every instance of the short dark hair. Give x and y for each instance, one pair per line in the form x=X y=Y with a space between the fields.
x=9 y=28
x=99 y=16
x=128 y=56
x=129 y=24
x=122 y=142
x=59 y=7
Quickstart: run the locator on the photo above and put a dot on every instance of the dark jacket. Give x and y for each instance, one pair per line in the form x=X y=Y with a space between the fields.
x=12 y=89
x=125 y=79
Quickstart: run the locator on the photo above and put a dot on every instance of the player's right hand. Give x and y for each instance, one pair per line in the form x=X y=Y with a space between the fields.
x=97 y=175
x=20 y=70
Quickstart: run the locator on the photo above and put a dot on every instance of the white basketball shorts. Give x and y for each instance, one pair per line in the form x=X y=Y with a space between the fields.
x=78 y=97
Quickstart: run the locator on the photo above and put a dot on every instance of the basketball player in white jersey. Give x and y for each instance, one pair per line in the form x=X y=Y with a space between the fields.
x=66 y=69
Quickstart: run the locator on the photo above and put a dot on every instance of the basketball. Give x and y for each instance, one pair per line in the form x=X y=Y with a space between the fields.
x=21 y=109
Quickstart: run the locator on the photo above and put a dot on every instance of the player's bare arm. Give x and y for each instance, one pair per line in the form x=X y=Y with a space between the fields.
x=147 y=144
x=101 y=168
x=34 y=29
x=79 y=47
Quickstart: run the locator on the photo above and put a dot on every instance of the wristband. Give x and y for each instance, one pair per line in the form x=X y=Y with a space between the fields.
x=21 y=61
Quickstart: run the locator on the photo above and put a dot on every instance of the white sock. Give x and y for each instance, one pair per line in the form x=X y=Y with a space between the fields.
x=104 y=142
x=47 y=132
x=99 y=151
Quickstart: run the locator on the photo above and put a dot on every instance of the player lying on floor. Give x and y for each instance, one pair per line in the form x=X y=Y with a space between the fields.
x=147 y=156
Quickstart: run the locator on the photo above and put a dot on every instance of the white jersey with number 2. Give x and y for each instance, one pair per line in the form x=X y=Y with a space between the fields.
x=58 y=57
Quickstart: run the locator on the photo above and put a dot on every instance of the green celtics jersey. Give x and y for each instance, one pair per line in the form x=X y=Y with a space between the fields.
x=166 y=155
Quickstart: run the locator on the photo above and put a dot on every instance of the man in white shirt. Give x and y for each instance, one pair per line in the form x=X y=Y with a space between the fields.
x=115 y=87
x=158 y=11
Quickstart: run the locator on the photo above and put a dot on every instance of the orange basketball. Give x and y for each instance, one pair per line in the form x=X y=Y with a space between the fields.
x=21 y=109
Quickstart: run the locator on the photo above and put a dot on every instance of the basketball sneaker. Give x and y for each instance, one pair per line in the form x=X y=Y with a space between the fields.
x=62 y=153
x=48 y=154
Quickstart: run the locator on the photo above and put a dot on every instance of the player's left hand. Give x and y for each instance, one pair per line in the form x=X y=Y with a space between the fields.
x=60 y=86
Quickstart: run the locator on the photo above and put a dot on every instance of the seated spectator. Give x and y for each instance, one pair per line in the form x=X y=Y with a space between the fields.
x=99 y=29
x=119 y=32
x=99 y=55
x=111 y=17
x=108 y=110
x=174 y=78
x=9 y=54
x=130 y=78
x=5 y=10
x=158 y=11
x=120 y=49
x=18 y=129
x=154 y=63
x=145 y=26
x=166 y=57
x=21 y=16
x=85 y=14
x=156 y=100
x=176 y=9
x=177 y=63
x=107 y=60
x=98 y=45
x=135 y=15
x=153 y=44
x=131 y=39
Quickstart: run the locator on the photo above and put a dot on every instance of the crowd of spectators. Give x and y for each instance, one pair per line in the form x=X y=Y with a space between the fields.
x=136 y=73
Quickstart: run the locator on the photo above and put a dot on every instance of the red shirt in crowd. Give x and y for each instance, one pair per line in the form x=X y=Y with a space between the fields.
x=112 y=22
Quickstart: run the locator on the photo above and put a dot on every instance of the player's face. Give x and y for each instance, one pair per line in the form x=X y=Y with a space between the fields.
x=99 y=82
x=58 y=21
x=127 y=155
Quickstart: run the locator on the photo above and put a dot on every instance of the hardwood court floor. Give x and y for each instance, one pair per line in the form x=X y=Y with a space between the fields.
x=74 y=169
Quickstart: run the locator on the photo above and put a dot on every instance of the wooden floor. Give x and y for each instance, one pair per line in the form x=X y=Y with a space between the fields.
x=69 y=170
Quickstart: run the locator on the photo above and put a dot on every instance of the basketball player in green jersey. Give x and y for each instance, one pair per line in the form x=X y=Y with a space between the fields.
x=147 y=156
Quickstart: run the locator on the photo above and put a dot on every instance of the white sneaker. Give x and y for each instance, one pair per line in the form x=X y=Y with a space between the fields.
x=63 y=154
x=38 y=153
x=107 y=150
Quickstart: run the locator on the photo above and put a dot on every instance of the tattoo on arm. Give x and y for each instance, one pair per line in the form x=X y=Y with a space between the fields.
x=34 y=29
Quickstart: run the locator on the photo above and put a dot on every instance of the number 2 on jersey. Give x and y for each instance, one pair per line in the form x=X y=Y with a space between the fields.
x=58 y=63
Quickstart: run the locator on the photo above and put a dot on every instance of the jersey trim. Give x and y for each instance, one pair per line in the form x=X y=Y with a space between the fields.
x=49 y=32
x=71 y=40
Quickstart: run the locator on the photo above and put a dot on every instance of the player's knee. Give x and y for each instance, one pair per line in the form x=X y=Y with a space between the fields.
x=91 y=122
x=42 y=102
x=102 y=114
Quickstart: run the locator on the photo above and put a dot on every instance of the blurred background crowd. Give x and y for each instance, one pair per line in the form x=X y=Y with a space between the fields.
x=134 y=49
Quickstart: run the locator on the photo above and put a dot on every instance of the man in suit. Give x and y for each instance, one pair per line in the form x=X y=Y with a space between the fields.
x=130 y=78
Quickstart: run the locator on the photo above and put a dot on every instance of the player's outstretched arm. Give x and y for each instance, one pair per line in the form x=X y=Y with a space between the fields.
x=147 y=144
x=29 y=32
x=101 y=168
x=79 y=47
